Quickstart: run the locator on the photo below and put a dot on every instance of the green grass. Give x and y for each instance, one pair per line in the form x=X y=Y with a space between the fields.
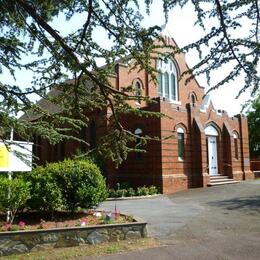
x=87 y=250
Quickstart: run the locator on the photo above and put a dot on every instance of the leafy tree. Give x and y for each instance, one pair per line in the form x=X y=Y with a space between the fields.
x=26 y=30
x=253 y=116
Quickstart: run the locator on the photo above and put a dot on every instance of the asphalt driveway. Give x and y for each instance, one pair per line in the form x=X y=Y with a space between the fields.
x=206 y=223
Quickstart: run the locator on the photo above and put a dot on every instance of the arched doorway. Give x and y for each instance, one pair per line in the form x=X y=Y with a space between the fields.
x=211 y=134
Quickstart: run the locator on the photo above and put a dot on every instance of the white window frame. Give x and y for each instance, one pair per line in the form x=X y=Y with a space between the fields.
x=169 y=67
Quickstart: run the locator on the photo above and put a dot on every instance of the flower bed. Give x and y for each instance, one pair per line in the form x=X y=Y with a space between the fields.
x=22 y=241
x=62 y=219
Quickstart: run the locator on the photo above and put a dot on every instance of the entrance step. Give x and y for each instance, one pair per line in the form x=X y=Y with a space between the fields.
x=221 y=180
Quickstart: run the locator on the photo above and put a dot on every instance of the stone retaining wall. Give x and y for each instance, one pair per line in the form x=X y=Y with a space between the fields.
x=30 y=241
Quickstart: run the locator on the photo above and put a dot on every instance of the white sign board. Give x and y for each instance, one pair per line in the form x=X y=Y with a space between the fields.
x=15 y=156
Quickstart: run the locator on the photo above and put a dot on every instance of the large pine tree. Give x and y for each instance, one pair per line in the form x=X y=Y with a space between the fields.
x=27 y=31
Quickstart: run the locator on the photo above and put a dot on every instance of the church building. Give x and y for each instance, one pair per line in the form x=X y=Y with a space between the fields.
x=199 y=145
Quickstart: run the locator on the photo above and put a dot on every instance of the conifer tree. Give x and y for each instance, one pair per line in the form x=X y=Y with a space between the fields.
x=27 y=31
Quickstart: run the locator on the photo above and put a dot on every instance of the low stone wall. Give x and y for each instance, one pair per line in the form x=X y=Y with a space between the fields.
x=30 y=241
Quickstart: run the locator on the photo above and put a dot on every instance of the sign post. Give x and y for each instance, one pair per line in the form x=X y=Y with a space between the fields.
x=9 y=213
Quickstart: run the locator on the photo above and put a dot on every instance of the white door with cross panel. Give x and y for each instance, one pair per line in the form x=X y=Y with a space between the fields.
x=212 y=155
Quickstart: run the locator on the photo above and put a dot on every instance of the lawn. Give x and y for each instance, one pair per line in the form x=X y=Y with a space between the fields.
x=87 y=250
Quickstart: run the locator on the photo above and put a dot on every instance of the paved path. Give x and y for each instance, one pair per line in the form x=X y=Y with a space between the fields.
x=163 y=215
x=213 y=223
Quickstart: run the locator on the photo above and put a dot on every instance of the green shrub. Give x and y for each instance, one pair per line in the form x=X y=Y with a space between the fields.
x=121 y=193
x=130 y=192
x=13 y=195
x=112 y=193
x=80 y=182
x=142 y=191
x=153 y=190
x=46 y=195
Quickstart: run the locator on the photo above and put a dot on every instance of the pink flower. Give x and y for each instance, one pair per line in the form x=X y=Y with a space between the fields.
x=21 y=224
x=83 y=222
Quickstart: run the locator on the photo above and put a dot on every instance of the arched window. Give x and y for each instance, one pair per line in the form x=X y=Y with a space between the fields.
x=138 y=91
x=235 y=136
x=193 y=100
x=180 y=133
x=167 y=79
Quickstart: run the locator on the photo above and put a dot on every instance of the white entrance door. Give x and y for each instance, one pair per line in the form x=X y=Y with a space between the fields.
x=212 y=155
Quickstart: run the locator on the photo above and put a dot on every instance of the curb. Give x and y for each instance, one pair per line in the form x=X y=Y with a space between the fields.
x=134 y=197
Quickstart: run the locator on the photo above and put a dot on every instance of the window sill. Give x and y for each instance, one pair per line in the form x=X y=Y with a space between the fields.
x=170 y=100
x=175 y=102
x=180 y=159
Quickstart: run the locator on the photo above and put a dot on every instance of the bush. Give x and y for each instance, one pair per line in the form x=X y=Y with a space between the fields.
x=153 y=190
x=117 y=193
x=142 y=191
x=13 y=195
x=68 y=184
x=130 y=192
x=46 y=195
x=80 y=182
x=121 y=193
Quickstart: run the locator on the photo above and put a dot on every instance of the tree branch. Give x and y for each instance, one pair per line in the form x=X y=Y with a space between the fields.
x=30 y=10
x=90 y=9
x=257 y=18
x=224 y=28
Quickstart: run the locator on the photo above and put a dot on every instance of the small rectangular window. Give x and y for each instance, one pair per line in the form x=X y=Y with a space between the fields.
x=181 y=146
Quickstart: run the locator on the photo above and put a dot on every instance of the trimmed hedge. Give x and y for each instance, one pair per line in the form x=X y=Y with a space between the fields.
x=66 y=185
x=46 y=194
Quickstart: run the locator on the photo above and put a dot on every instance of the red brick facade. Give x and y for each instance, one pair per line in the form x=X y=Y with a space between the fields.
x=161 y=165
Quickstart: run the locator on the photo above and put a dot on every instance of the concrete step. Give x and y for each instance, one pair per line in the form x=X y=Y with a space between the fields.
x=218 y=177
x=223 y=183
x=221 y=180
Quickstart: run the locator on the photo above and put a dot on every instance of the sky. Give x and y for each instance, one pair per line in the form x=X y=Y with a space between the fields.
x=181 y=27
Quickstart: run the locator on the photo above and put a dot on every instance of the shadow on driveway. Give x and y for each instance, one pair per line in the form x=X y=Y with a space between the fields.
x=250 y=205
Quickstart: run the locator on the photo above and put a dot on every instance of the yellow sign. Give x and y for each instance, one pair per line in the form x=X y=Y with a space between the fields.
x=4 y=157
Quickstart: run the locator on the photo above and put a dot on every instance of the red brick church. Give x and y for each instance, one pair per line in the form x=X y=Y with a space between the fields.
x=202 y=143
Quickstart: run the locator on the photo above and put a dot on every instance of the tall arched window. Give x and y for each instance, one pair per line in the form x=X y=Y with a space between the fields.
x=193 y=99
x=235 y=136
x=167 y=79
x=180 y=133
x=138 y=91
